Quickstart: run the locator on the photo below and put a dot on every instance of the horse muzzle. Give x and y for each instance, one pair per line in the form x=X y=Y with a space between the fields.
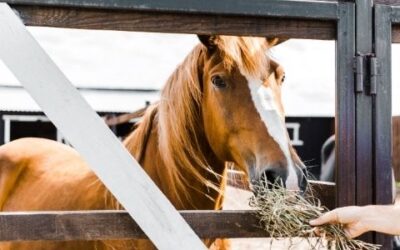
x=275 y=176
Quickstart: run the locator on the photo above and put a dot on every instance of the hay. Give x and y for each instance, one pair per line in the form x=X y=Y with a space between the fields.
x=286 y=214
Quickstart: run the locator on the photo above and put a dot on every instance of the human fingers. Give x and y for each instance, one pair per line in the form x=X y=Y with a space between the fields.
x=328 y=217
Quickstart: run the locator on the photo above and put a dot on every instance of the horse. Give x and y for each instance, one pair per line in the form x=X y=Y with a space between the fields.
x=221 y=104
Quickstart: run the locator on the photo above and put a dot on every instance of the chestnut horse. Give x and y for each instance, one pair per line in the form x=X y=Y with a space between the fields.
x=223 y=103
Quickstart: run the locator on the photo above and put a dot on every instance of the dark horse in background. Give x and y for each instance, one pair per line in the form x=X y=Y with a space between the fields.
x=222 y=104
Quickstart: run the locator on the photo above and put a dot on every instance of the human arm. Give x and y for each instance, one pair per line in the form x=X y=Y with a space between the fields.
x=358 y=220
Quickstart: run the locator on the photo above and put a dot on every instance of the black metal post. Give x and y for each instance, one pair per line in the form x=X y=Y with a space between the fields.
x=364 y=169
x=382 y=115
x=345 y=107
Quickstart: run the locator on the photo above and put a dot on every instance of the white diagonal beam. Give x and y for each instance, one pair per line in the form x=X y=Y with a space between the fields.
x=62 y=103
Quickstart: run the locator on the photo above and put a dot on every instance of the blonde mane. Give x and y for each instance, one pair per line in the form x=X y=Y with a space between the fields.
x=178 y=114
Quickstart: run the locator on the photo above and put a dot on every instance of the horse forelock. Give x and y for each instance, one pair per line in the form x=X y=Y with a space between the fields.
x=246 y=53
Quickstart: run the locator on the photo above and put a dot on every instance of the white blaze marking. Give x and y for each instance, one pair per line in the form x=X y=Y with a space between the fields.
x=264 y=101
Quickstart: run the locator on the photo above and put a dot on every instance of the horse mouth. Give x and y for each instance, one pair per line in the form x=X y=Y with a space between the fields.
x=275 y=179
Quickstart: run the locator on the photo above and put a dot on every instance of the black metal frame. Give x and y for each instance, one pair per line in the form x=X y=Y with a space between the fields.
x=345 y=107
x=385 y=17
x=362 y=116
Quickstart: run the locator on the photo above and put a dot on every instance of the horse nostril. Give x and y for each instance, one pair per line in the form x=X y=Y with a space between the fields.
x=273 y=177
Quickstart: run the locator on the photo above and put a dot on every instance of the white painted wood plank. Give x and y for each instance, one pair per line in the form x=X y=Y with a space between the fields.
x=63 y=104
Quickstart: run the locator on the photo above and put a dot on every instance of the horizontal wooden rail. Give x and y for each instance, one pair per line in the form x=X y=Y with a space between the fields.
x=165 y=22
x=388 y=2
x=280 y=18
x=100 y=225
x=73 y=16
x=396 y=33
x=324 y=191
x=277 y=8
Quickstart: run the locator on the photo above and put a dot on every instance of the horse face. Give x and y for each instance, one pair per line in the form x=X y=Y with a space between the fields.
x=244 y=120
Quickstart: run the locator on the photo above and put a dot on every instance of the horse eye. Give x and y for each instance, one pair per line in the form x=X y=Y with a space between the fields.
x=218 y=82
x=283 y=79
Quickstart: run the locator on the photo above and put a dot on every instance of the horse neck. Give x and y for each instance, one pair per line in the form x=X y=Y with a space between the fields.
x=201 y=196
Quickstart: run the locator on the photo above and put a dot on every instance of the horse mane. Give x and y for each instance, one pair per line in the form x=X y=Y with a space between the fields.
x=136 y=141
x=178 y=113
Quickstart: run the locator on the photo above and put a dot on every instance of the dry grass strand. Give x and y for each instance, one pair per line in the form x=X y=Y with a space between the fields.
x=286 y=214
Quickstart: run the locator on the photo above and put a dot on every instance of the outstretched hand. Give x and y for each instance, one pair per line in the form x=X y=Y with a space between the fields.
x=351 y=217
x=358 y=220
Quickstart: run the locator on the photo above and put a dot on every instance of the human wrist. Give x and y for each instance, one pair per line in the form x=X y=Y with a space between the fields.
x=394 y=219
x=381 y=218
x=370 y=216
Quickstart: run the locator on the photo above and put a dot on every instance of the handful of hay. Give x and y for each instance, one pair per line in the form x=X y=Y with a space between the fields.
x=285 y=213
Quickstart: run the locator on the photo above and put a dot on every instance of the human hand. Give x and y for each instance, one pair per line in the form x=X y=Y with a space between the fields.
x=354 y=220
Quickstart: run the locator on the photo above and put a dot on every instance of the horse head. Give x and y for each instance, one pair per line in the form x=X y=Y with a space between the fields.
x=242 y=110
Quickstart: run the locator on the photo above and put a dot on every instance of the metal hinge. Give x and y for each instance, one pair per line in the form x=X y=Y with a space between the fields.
x=361 y=64
x=373 y=71
x=359 y=71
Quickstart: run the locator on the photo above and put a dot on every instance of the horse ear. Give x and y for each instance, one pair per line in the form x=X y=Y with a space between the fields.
x=208 y=41
x=273 y=41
